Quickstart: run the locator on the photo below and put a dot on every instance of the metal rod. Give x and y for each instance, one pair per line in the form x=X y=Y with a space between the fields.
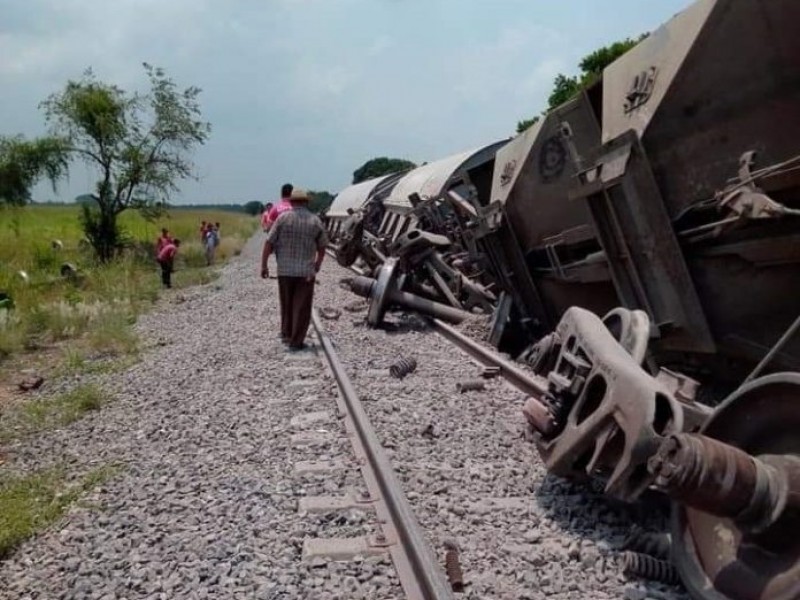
x=428 y=307
x=529 y=384
x=440 y=284
x=775 y=349
x=429 y=582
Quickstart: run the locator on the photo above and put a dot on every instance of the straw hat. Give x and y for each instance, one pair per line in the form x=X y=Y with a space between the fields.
x=298 y=195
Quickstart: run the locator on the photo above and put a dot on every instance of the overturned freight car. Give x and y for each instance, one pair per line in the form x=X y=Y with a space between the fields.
x=665 y=198
x=671 y=186
x=354 y=218
x=668 y=194
x=416 y=224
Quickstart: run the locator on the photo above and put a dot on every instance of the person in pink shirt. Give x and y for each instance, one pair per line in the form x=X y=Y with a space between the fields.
x=265 y=217
x=281 y=207
x=163 y=240
x=166 y=258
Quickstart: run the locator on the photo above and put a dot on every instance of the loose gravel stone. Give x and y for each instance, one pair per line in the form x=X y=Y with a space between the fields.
x=469 y=472
x=205 y=501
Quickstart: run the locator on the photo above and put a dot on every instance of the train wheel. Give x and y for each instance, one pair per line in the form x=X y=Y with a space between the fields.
x=717 y=557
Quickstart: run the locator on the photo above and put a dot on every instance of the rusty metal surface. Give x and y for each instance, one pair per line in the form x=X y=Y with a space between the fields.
x=414 y=559
x=403 y=367
x=657 y=545
x=381 y=290
x=714 y=477
x=709 y=106
x=452 y=566
x=750 y=556
x=526 y=382
x=775 y=350
x=635 y=564
x=645 y=259
x=609 y=413
x=470 y=385
x=384 y=291
x=695 y=196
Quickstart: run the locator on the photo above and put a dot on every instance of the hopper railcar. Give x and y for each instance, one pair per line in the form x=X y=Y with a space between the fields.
x=672 y=185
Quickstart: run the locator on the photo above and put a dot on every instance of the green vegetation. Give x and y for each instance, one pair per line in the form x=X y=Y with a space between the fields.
x=381 y=166
x=24 y=162
x=62 y=409
x=526 y=123
x=98 y=305
x=254 y=207
x=319 y=202
x=591 y=68
x=137 y=142
x=76 y=362
x=30 y=503
x=58 y=411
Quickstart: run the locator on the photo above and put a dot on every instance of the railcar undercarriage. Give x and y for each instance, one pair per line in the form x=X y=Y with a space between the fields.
x=637 y=247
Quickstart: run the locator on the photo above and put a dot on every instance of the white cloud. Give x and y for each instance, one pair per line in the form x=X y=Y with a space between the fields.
x=309 y=89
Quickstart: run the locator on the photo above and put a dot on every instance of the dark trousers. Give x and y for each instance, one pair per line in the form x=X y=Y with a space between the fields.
x=296 y=295
x=166 y=273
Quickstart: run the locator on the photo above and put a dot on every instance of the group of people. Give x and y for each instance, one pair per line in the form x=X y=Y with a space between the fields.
x=298 y=239
x=209 y=237
x=167 y=248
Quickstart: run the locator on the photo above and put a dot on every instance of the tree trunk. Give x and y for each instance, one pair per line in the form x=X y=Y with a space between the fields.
x=100 y=226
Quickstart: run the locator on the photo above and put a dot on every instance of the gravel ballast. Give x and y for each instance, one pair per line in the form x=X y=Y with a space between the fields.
x=204 y=502
x=471 y=475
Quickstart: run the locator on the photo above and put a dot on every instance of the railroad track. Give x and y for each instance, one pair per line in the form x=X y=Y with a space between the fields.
x=472 y=479
x=526 y=383
x=401 y=534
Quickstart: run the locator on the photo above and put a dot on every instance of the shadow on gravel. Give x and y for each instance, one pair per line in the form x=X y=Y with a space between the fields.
x=583 y=510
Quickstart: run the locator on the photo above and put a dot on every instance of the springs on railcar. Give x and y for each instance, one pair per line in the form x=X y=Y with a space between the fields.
x=656 y=545
x=403 y=367
x=452 y=566
x=653 y=569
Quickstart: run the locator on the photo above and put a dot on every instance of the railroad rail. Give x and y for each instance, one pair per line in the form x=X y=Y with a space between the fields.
x=414 y=560
x=526 y=383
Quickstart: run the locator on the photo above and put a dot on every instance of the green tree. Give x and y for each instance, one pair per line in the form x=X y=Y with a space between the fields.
x=592 y=65
x=591 y=68
x=381 y=166
x=319 y=202
x=139 y=143
x=24 y=162
x=527 y=123
x=564 y=88
x=254 y=207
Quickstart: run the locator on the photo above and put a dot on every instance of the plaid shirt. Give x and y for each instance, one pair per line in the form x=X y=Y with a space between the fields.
x=296 y=237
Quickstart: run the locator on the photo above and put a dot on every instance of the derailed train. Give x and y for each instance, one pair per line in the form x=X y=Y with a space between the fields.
x=645 y=231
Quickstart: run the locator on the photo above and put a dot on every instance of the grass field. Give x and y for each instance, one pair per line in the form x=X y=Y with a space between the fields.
x=99 y=304
x=62 y=327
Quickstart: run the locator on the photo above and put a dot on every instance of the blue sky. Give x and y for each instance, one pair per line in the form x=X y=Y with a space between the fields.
x=307 y=90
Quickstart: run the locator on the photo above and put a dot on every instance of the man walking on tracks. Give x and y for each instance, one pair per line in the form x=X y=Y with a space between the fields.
x=298 y=239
